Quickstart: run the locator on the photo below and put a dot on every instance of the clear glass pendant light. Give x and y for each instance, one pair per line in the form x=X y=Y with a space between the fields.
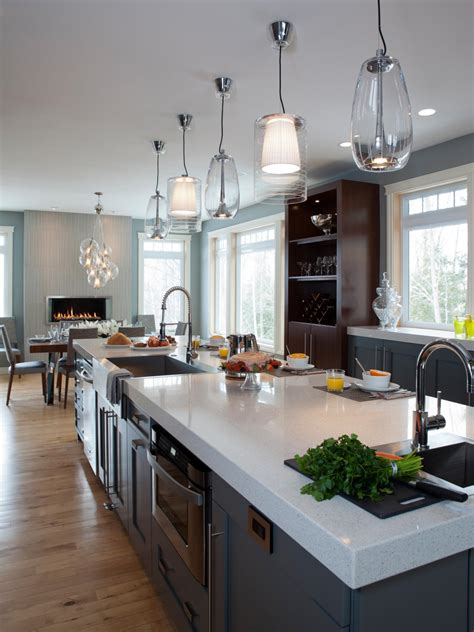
x=95 y=254
x=381 y=126
x=156 y=216
x=222 y=196
x=280 y=143
x=184 y=193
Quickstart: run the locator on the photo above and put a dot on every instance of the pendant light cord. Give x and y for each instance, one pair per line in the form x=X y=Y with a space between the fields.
x=184 y=153
x=380 y=31
x=222 y=123
x=279 y=79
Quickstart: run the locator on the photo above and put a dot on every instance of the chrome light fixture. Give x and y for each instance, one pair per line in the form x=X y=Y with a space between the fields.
x=280 y=142
x=381 y=126
x=95 y=254
x=156 y=216
x=222 y=197
x=184 y=193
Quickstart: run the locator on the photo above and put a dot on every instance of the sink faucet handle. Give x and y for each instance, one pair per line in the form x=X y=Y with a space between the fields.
x=438 y=402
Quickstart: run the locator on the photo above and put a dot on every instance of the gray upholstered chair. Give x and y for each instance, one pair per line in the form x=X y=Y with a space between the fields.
x=66 y=365
x=132 y=332
x=10 y=324
x=148 y=321
x=20 y=368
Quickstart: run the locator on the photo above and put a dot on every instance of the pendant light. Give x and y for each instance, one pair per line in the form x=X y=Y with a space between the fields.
x=280 y=142
x=184 y=193
x=222 y=197
x=95 y=254
x=156 y=216
x=381 y=127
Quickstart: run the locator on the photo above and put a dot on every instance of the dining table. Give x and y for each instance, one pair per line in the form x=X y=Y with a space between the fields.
x=54 y=349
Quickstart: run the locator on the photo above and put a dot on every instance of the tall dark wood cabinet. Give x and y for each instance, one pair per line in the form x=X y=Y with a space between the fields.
x=336 y=287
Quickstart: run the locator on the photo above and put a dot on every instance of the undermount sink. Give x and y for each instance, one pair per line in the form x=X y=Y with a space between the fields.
x=156 y=365
x=452 y=463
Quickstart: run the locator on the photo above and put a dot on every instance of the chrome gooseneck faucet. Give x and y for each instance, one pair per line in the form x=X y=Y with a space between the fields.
x=190 y=354
x=421 y=421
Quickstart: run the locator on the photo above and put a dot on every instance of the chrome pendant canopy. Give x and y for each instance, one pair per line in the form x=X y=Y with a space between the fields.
x=222 y=197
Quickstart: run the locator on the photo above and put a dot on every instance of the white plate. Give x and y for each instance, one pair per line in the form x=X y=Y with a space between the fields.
x=388 y=389
x=155 y=349
x=308 y=367
x=105 y=344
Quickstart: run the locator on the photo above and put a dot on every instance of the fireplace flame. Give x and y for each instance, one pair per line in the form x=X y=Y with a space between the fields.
x=70 y=314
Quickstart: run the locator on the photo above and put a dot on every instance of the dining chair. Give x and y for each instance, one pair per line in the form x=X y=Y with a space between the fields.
x=66 y=365
x=10 y=324
x=148 y=321
x=132 y=332
x=20 y=368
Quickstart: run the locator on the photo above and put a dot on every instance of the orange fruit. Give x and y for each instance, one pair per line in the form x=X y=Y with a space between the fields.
x=378 y=373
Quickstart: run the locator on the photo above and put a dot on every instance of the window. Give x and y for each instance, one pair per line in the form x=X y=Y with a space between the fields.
x=428 y=247
x=246 y=280
x=162 y=264
x=6 y=270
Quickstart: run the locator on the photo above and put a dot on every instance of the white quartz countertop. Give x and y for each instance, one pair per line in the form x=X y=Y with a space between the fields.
x=244 y=437
x=409 y=334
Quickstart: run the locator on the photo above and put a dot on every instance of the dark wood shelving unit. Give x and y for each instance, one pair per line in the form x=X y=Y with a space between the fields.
x=350 y=292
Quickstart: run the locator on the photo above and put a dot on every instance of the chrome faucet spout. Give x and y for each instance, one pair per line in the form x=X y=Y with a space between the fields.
x=421 y=422
x=178 y=288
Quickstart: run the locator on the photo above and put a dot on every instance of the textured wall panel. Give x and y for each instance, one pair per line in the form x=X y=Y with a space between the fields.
x=51 y=256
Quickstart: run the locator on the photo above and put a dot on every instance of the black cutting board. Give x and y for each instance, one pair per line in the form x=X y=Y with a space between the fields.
x=404 y=498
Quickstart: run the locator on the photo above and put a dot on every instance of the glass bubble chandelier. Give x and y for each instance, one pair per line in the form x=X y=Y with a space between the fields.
x=157 y=225
x=222 y=197
x=381 y=125
x=95 y=254
x=280 y=142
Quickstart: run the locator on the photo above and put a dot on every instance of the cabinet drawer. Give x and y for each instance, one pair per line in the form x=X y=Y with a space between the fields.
x=137 y=417
x=187 y=599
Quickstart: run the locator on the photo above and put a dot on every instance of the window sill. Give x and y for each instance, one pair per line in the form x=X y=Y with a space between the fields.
x=413 y=335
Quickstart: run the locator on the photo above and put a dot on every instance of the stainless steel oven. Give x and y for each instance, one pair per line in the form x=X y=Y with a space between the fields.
x=180 y=498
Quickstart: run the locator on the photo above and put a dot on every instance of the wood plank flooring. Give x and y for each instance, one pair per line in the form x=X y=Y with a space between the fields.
x=66 y=564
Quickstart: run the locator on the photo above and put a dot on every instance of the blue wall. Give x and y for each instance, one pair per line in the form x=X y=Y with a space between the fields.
x=453 y=153
x=16 y=219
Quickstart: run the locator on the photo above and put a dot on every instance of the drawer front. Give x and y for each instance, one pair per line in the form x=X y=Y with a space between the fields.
x=137 y=417
x=190 y=607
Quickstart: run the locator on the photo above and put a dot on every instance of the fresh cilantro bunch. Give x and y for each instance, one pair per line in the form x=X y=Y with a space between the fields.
x=345 y=465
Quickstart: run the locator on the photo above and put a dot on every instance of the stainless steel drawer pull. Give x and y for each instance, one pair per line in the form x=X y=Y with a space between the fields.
x=138 y=443
x=191 y=496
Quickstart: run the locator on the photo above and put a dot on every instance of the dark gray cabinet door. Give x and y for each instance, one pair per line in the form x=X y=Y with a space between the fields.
x=118 y=467
x=369 y=353
x=218 y=569
x=139 y=495
x=400 y=359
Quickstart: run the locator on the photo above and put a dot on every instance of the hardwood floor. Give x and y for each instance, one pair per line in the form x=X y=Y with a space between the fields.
x=66 y=564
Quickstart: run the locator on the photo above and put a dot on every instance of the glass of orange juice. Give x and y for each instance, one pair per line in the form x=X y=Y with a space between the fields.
x=335 y=380
x=224 y=351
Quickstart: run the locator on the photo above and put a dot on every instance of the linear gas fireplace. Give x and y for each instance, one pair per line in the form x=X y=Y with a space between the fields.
x=77 y=308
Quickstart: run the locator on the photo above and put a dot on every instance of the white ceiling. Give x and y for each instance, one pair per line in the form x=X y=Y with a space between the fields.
x=87 y=84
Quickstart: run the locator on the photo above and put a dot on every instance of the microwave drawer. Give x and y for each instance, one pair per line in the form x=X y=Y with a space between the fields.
x=189 y=598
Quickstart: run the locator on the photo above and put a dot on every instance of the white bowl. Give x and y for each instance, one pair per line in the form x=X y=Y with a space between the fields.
x=297 y=363
x=376 y=381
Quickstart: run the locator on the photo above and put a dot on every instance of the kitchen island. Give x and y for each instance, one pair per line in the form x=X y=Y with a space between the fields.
x=363 y=564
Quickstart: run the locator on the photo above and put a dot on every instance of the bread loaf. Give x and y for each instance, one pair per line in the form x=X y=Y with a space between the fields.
x=119 y=339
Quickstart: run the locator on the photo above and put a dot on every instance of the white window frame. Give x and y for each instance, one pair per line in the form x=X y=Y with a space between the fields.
x=278 y=222
x=396 y=247
x=187 y=263
x=8 y=280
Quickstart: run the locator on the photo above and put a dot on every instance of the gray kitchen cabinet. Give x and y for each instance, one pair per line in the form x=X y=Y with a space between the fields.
x=118 y=466
x=263 y=580
x=444 y=372
x=185 y=598
x=139 y=494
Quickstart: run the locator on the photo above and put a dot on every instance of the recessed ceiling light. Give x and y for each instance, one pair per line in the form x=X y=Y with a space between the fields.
x=316 y=201
x=53 y=208
x=426 y=112
x=346 y=143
